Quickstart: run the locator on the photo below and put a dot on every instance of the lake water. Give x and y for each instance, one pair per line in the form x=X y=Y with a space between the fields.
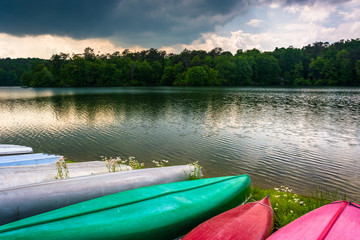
x=301 y=138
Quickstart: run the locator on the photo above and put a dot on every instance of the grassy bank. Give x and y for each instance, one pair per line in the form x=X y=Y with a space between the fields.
x=289 y=206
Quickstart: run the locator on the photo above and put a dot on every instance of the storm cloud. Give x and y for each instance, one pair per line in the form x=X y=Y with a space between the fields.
x=148 y=22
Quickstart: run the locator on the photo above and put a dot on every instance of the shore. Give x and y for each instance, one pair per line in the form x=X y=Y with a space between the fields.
x=289 y=206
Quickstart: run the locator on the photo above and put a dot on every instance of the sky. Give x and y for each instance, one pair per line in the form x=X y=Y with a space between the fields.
x=41 y=28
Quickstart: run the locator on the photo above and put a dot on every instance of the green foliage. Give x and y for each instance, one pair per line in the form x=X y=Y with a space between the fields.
x=316 y=64
x=267 y=70
x=26 y=78
x=12 y=69
x=357 y=70
x=289 y=206
x=195 y=76
x=302 y=82
x=244 y=70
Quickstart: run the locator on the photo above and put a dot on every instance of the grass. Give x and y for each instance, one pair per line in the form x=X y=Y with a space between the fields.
x=289 y=206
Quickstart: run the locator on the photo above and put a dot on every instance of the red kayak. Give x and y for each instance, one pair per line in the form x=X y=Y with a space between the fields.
x=253 y=220
x=334 y=221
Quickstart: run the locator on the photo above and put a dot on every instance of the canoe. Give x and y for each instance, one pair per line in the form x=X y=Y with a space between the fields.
x=163 y=211
x=8 y=149
x=21 y=175
x=28 y=159
x=28 y=200
x=337 y=220
x=252 y=221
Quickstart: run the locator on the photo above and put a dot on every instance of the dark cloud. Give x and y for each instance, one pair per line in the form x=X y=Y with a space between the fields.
x=309 y=2
x=133 y=21
x=150 y=23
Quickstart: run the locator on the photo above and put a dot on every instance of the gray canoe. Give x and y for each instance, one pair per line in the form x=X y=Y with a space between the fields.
x=21 y=175
x=28 y=159
x=28 y=200
x=8 y=149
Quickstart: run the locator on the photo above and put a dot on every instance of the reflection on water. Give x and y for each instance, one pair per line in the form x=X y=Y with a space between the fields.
x=302 y=138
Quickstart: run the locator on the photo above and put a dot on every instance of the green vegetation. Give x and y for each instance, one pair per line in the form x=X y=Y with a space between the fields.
x=289 y=206
x=319 y=64
x=195 y=171
x=117 y=164
x=62 y=168
x=12 y=69
x=113 y=164
x=134 y=164
x=160 y=163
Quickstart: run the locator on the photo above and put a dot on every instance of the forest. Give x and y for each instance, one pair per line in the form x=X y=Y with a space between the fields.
x=317 y=64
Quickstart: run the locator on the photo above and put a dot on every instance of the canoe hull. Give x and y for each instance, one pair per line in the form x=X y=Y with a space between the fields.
x=158 y=212
x=23 y=175
x=28 y=159
x=252 y=221
x=338 y=220
x=8 y=149
x=28 y=200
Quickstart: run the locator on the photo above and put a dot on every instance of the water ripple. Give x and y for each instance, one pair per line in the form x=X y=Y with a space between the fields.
x=305 y=138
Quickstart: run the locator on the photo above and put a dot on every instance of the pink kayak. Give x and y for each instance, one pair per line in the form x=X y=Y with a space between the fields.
x=251 y=221
x=334 y=221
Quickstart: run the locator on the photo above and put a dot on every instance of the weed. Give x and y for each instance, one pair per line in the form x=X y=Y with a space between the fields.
x=115 y=164
x=62 y=168
x=160 y=163
x=195 y=171
x=134 y=164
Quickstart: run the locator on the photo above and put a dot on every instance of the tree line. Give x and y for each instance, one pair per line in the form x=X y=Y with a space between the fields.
x=318 y=64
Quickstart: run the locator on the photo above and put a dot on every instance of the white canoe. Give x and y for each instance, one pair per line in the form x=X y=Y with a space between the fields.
x=22 y=175
x=7 y=149
x=28 y=159
x=28 y=200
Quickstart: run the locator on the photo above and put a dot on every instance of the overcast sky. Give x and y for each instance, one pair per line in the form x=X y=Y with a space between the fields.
x=40 y=28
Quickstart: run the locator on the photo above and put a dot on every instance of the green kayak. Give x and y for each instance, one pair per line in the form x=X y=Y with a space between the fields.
x=163 y=211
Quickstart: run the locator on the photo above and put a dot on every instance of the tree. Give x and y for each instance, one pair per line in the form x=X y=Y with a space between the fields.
x=42 y=78
x=316 y=70
x=195 y=76
x=227 y=69
x=215 y=52
x=143 y=73
x=26 y=78
x=244 y=70
x=196 y=61
x=266 y=70
x=213 y=77
x=156 y=73
x=357 y=70
x=89 y=54
x=168 y=76
x=345 y=73
x=318 y=64
x=299 y=76
x=288 y=58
